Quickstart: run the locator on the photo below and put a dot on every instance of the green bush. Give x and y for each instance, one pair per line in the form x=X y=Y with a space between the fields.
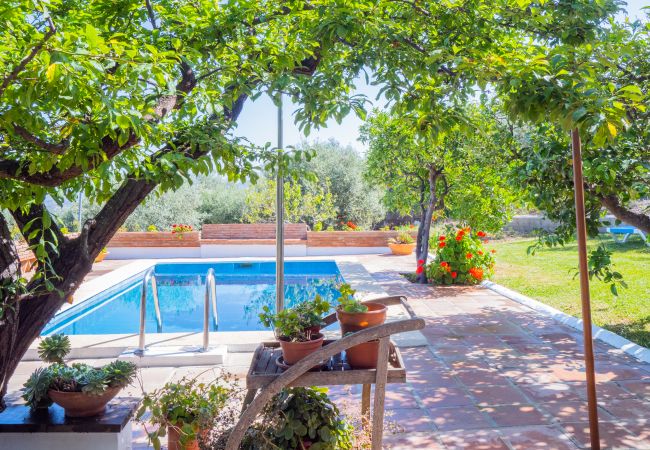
x=461 y=258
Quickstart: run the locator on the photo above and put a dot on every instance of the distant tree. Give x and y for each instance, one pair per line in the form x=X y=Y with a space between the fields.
x=312 y=204
x=460 y=174
x=355 y=198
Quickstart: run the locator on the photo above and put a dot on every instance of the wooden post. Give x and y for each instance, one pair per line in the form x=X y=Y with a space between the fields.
x=581 y=228
x=365 y=405
x=380 y=393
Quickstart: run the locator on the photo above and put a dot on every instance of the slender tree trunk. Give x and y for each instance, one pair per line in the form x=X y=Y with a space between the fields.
x=427 y=217
x=638 y=220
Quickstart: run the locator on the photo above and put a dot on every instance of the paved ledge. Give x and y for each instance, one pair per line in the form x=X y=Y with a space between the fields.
x=613 y=339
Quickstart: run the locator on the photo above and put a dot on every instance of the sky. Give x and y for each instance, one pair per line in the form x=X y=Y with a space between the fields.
x=258 y=120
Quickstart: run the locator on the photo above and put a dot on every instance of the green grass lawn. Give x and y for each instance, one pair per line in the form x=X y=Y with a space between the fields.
x=548 y=276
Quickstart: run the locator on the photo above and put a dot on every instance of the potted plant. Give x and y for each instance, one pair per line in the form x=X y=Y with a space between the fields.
x=81 y=390
x=187 y=410
x=301 y=418
x=355 y=316
x=294 y=329
x=101 y=255
x=179 y=229
x=402 y=244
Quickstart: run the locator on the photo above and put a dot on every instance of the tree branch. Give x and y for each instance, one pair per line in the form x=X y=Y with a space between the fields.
x=151 y=14
x=26 y=60
x=56 y=149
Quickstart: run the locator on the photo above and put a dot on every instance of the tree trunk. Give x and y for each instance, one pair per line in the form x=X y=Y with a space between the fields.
x=638 y=220
x=73 y=262
x=9 y=274
x=425 y=224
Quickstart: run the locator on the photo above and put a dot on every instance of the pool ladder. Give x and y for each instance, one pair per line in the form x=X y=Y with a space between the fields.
x=210 y=299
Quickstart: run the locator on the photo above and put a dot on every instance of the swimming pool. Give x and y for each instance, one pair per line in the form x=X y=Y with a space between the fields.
x=242 y=289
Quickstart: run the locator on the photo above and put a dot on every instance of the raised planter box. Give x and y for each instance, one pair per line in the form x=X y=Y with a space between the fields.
x=348 y=242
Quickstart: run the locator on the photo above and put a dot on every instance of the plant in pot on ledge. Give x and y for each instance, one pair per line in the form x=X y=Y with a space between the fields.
x=297 y=329
x=354 y=316
x=301 y=418
x=402 y=244
x=190 y=411
x=81 y=390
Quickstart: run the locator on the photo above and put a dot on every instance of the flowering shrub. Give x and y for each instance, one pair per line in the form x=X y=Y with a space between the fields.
x=461 y=258
x=349 y=226
x=180 y=228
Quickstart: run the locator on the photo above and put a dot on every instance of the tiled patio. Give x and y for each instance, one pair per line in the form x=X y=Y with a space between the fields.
x=497 y=375
x=494 y=375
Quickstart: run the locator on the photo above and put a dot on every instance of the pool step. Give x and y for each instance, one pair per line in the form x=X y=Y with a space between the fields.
x=171 y=356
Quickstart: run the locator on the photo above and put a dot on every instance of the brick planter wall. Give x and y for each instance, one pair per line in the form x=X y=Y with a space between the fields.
x=132 y=239
x=350 y=238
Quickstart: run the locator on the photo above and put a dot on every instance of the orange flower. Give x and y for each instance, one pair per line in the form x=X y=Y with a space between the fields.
x=480 y=253
x=454 y=274
x=441 y=244
x=420 y=262
x=442 y=238
x=493 y=251
x=469 y=256
x=444 y=264
x=481 y=234
x=448 y=268
x=476 y=272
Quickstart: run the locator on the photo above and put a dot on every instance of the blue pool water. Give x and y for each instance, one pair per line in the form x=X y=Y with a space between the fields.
x=242 y=290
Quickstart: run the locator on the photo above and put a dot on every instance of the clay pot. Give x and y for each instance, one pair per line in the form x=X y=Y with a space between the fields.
x=292 y=352
x=351 y=322
x=174 y=439
x=401 y=249
x=79 y=404
x=101 y=257
x=363 y=356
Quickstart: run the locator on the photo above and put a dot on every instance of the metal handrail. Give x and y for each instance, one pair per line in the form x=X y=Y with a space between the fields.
x=150 y=275
x=210 y=291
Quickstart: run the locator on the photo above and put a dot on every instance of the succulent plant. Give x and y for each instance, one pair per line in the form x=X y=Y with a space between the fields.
x=36 y=387
x=53 y=349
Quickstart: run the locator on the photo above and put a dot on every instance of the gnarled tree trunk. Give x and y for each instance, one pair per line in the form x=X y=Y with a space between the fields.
x=638 y=220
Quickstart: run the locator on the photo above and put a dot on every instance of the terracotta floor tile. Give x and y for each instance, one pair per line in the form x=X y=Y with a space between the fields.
x=444 y=397
x=497 y=395
x=473 y=440
x=515 y=415
x=550 y=392
x=411 y=419
x=458 y=418
x=572 y=411
x=612 y=435
x=628 y=408
x=411 y=441
x=537 y=437
x=639 y=388
x=481 y=377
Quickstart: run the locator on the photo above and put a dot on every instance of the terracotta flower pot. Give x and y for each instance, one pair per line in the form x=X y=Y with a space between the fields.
x=363 y=356
x=292 y=352
x=351 y=322
x=79 y=404
x=101 y=257
x=401 y=249
x=174 y=439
